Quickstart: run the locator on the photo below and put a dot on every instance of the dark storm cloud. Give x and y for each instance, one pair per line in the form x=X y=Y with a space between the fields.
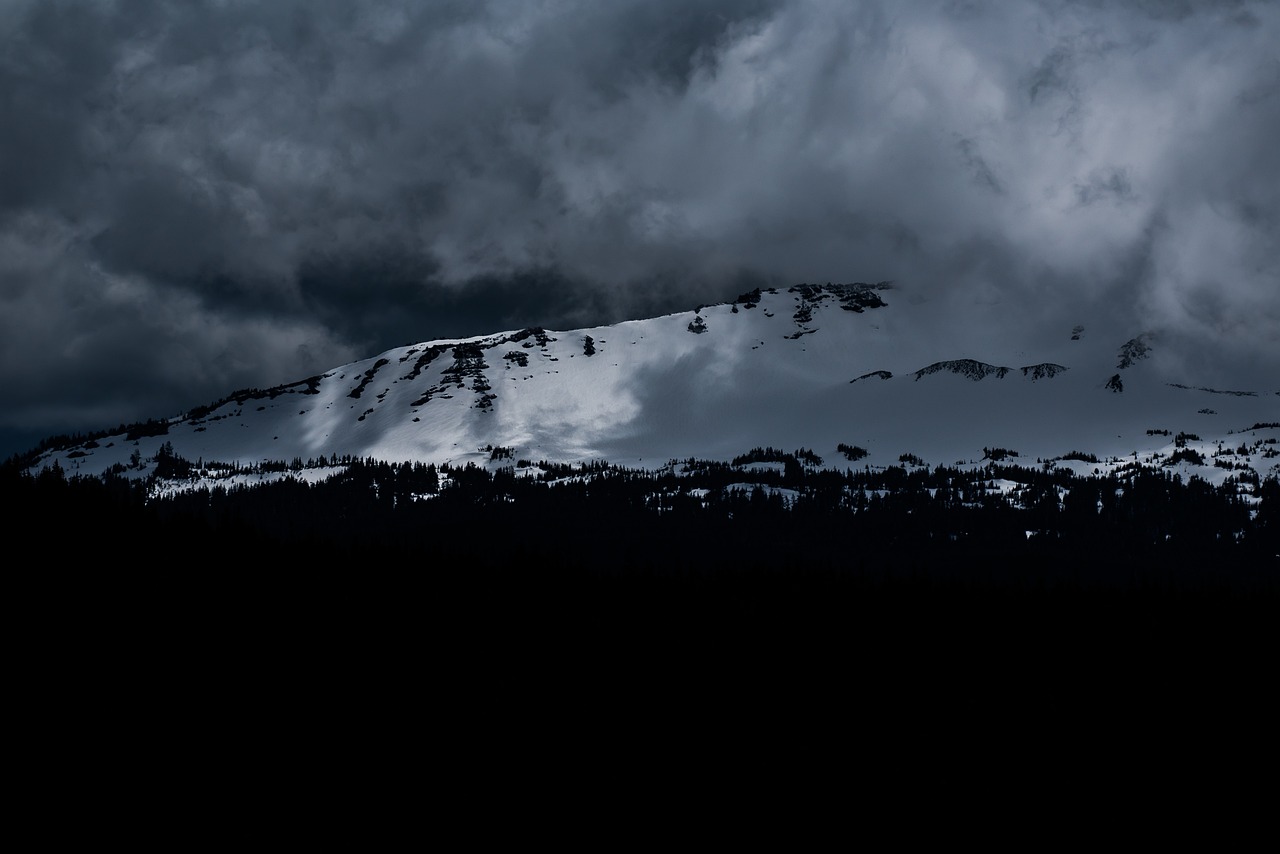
x=197 y=196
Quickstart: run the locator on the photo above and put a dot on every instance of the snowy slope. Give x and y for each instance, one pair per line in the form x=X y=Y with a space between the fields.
x=808 y=367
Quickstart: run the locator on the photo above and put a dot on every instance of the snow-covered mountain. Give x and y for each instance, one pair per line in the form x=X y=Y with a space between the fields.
x=859 y=374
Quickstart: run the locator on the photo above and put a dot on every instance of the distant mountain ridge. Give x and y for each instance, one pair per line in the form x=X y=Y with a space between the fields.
x=773 y=367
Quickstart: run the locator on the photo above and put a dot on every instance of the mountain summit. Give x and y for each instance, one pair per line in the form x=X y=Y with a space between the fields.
x=822 y=367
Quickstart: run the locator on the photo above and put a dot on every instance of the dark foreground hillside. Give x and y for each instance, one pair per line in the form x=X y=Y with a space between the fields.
x=608 y=551
x=504 y=624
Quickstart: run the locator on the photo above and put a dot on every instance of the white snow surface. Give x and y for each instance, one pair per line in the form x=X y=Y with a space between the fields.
x=655 y=391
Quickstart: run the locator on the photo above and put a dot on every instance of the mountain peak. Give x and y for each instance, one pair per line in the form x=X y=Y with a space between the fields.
x=781 y=368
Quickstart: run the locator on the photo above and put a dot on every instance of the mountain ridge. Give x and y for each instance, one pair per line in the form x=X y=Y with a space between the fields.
x=770 y=367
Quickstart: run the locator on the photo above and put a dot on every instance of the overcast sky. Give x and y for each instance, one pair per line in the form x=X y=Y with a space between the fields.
x=197 y=197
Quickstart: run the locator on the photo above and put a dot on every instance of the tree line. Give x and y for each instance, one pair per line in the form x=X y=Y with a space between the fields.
x=1052 y=527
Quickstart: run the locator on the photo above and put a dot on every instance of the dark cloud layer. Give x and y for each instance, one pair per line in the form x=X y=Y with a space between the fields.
x=199 y=196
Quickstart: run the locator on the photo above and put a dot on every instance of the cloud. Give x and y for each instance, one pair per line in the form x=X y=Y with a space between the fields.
x=197 y=196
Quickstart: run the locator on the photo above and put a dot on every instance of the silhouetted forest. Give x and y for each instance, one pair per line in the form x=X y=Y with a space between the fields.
x=1045 y=528
x=926 y=585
